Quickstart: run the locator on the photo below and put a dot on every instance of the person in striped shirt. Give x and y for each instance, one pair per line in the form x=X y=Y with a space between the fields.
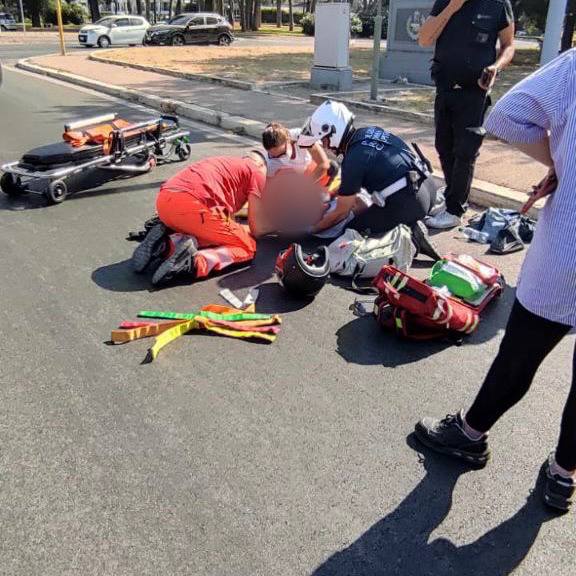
x=538 y=116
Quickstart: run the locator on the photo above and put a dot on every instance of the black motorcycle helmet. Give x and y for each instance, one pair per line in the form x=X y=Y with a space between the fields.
x=303 y=274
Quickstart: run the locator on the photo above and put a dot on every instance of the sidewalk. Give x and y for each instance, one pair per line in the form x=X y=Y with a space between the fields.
x=498 y=164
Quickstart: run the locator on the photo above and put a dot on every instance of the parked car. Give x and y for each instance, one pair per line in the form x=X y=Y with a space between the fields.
x=196 y=28
x=114 y=30
x=7 y=22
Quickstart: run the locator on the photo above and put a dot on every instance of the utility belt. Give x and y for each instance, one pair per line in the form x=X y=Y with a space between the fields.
x=412 y=181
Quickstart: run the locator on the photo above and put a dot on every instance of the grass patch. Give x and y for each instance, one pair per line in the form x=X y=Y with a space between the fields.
x=271 y=30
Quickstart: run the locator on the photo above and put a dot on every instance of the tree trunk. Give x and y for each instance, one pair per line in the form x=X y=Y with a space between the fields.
x=36 y=13
x=231 y=13
x=242 y=8
x=178 y=7
x=94 y=10
x=248 y=13
x=290 y=16
x=313 y=6
x=278 y=13
x=569 y=24
x=257 y=18
x=138 y=7
x=147 y=8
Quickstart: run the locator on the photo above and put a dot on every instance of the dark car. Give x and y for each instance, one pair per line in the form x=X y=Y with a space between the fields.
x=197 y=28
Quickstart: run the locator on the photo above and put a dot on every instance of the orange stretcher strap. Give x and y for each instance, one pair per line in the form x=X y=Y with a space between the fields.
x=151 y=329
x=99 y=134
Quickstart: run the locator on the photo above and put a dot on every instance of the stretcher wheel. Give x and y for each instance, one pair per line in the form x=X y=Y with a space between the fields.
x=183 y=151
x=57 y=191
x=11 y=186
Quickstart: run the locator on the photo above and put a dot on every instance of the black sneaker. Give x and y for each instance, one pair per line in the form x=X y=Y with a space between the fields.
x=558 y=491
x=181 y=262
x=447 y=437
x=155 y=243
x=423 y=242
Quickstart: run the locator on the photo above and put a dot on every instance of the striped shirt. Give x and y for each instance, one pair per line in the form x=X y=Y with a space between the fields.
x=545 y=104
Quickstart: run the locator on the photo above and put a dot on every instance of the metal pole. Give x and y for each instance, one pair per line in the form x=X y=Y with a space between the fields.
x=376 y=51
x=554 y=28
x=60 y=27
x=22 y=16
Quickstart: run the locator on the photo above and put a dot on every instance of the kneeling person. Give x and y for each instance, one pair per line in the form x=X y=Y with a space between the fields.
x=379 y=170
x=198 y=205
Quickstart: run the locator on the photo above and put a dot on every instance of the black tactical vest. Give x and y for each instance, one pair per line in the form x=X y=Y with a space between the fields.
x=468 y=43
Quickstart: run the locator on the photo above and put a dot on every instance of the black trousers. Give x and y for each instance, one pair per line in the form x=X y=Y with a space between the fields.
x=404 y=207
x=455 y=111
x=527 y=341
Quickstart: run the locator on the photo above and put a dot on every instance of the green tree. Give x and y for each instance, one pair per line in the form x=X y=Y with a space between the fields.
x=36 y=10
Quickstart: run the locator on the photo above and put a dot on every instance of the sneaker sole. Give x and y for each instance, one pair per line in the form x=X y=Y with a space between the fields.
x=557 y=503
x=165 y=271
x=143 y=253
x=474 y=460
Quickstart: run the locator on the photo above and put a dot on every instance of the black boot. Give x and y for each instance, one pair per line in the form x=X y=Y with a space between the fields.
x=423 y=242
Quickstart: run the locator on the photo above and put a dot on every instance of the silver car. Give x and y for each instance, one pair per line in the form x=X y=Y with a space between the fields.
x=114 y=30
x=7 y=22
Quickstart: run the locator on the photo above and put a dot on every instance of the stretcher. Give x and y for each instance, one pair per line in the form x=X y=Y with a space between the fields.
x=103 y=142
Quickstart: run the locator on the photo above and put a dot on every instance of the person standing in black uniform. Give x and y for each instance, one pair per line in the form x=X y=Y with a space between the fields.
x=464 y=69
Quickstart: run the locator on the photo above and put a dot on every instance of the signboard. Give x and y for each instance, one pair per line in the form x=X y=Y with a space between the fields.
x=404 y=57
x=408 y=22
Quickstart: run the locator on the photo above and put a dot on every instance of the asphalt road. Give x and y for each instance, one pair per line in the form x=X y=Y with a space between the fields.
x=226 y=457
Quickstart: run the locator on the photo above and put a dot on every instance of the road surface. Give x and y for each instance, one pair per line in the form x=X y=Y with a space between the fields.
x=227 y=458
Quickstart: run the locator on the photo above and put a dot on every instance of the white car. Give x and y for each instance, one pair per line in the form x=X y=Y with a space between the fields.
x=114 y=30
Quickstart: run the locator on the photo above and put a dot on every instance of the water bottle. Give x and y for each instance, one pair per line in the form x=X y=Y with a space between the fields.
x=476 y=235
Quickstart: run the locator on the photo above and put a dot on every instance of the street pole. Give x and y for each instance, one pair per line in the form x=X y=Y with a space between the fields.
x=554 y=28
x=376 y=51
x=60 y=27
x=22 y=16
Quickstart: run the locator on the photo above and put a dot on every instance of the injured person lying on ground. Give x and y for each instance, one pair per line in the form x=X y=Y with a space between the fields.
x=384 y=182
x=197 y=233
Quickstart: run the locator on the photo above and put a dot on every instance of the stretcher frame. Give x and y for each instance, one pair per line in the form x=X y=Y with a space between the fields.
x=152 y=145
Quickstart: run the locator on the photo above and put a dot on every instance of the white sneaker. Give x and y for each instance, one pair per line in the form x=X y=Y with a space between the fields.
x=443 y=221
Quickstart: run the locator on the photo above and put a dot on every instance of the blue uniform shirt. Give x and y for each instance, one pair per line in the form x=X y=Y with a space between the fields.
x=374 y=159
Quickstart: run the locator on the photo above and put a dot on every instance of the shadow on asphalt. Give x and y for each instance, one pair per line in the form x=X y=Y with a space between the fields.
x=362 y=341
x=119 y=277
x=400 y=542
x=79 y=188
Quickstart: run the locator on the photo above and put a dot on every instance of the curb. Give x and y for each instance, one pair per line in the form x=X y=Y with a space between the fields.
x=483 y=194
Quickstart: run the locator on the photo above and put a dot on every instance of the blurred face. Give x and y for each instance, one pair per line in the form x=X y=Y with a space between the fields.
x=281 y=150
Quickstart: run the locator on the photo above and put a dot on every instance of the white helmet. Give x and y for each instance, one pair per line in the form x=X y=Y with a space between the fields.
x=330 y=119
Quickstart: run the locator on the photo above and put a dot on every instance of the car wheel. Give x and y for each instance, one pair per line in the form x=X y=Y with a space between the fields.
x=104 y=42
x=177 y=40
x=3 y=28
x=224 y=40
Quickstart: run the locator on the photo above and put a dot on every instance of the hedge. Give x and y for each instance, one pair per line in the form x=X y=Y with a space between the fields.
x=71 y=14
x=308 y=26
x=269 y=16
